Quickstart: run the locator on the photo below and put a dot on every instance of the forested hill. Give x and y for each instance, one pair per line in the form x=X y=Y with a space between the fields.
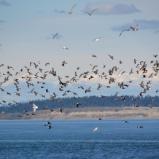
x=92 y=101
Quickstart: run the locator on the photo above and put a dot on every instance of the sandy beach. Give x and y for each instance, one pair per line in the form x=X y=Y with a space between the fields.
x=89 y=113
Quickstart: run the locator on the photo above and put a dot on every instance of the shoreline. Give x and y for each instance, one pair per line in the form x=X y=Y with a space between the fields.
x=90 y=113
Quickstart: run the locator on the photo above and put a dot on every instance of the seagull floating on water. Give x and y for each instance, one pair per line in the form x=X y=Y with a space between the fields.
x=95 y=129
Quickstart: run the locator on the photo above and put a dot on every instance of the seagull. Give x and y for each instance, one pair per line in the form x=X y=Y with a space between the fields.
x=55 y=36
x=125 y=121
x=1 y=65
x=97 y=39
x=94 y=55
x=65 y=48
x=135 y=61
x=63 y=63
x=111 y=57
x=95 y=129
x=61 y=110
x=72 y=8
x=131 y=28
x=155 y=55
x=49 y=125
x=91 y=12
x=134 y=28
x=78 y=104
x=34 y=107
x=140 y=126
x=47 y=63
x=120 y=62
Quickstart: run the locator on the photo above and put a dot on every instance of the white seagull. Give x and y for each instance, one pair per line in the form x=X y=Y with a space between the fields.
x=97 y=39
x=34 y=108
x=95 y=129
x=65 y=48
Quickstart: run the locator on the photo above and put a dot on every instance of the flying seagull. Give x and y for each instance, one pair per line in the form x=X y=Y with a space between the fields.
x=91 y=12
x=72 y=8
x=130 y=28
x=97 y=39
x=34 y=107
x=65 y=48
x=94 y=55
x=55 y=36
x=111 y=57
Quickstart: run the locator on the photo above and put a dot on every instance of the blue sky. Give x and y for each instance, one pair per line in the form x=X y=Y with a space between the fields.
x=26 y=27
x=28 y=24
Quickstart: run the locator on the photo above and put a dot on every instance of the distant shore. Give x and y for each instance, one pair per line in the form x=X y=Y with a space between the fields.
x=98 y=113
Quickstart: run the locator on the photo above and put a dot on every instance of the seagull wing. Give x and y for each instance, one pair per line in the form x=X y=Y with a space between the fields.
x=71 y=10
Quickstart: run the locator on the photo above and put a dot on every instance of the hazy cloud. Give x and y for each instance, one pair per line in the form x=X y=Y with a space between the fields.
x=107 y=8
x=4 y=3
x=143 y=24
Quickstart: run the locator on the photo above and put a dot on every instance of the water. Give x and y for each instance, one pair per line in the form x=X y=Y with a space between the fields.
x=114 y=139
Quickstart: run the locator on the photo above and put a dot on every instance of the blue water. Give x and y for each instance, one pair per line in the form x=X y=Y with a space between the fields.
x=114 y=139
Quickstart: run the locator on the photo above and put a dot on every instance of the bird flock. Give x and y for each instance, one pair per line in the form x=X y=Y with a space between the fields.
x=36 y=75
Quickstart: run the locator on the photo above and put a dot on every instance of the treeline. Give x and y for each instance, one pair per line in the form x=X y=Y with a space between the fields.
x=92 y=101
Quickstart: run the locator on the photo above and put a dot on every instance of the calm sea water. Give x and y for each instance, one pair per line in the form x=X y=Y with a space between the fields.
x=114 y=139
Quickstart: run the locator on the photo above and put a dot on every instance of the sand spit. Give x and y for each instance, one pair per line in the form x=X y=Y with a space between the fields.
x=89 y=113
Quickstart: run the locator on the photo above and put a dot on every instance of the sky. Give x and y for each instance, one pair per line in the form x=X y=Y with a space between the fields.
x=26 y=28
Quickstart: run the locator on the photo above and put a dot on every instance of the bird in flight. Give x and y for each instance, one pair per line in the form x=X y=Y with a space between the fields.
x=72 y=8
x=155 y=55
x=64 y=63
x=34 y=107
x=91 y=12
x=97 y=39
x=94 y=55
x=111 y=57
x=130 y=28
x=55 y=36
x=65 y=48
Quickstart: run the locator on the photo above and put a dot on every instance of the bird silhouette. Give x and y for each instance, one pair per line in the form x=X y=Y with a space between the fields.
x=91 y=12
x=130 y=28
x=72 y=8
